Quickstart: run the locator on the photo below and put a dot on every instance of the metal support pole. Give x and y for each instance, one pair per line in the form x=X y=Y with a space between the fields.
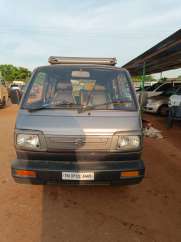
x=161 y=75
x=142 y=94
x=143 y=77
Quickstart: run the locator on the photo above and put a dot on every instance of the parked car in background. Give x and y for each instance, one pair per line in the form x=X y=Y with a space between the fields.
x=159 y=104
x=14 y=87
x=159 y=88
x=3 y=93
x=147 y=85
x=19 y=88
x=174 y=108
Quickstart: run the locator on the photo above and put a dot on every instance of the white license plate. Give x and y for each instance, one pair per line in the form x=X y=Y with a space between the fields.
x=78 y=176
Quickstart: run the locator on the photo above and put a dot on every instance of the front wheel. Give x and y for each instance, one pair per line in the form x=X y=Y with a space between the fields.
x=163 y=110
x=169 y=122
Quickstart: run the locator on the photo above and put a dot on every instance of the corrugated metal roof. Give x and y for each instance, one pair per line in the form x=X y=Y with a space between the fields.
x=164 y=56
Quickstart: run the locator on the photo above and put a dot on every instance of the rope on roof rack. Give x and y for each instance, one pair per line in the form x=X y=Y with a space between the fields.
x=82 y=60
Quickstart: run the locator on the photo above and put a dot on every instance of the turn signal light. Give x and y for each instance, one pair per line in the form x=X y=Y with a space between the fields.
x=25 y=173
x=129 y=173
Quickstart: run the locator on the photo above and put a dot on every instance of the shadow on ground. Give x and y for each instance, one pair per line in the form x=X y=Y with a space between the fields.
x=89 y=214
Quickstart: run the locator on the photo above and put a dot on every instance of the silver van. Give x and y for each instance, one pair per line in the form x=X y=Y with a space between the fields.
x=79 y=123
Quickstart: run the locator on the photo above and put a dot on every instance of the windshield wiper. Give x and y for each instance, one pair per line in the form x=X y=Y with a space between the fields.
x=34 y=109
x=48 y=106
x=87 y=108
x=65 y=104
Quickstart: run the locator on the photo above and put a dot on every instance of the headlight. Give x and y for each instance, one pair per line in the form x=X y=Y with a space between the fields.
x=30 y=141
x=150 y=101
x=130 y=142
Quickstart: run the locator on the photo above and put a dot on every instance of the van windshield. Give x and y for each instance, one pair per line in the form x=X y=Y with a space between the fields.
x=78 y=87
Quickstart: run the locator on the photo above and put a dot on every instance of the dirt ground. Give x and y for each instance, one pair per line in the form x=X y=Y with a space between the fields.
x=149 y=212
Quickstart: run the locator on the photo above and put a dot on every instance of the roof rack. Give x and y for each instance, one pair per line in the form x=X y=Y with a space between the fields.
x=82 y=60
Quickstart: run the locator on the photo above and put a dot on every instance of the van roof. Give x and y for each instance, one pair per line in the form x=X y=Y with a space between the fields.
x=83 y=66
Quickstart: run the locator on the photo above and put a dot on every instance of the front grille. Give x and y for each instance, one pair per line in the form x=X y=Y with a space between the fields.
x=78 y=143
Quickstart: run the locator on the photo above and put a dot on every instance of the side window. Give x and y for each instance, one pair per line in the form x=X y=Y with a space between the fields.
x=121 y=88
x=179 y=91
x=177 y=84
x=164 y=87
x=37 y=89
x=170 y=91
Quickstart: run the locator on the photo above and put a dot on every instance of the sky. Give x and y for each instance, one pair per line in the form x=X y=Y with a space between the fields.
x=31 y=31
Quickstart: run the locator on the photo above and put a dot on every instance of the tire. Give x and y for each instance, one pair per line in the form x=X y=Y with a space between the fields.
x=163 y=110
x=169 y=123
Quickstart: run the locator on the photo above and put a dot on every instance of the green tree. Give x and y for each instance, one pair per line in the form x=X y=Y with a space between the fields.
x=10 y=73
x=147 y=78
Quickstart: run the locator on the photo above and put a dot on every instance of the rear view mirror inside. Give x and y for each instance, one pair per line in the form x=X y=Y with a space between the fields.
x=80 y=74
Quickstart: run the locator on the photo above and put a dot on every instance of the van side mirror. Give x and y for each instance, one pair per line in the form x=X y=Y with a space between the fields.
x=15 y=96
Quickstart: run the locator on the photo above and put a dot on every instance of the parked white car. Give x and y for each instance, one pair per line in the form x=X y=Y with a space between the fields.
x=159 y=88
x=175 y=100
x=174 y=108
x=159 y=104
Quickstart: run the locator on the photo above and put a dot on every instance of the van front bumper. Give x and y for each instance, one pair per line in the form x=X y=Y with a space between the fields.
x=105 y=172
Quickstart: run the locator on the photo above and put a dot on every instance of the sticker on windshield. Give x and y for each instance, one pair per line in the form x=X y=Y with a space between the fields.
x=82 y=85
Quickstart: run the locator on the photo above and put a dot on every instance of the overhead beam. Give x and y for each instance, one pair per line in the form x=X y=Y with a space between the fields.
x=164 y=56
